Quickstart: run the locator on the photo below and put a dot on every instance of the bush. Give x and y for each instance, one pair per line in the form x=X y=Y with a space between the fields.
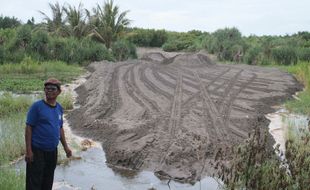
x=123 y=50
x=226 y=43
x=284 y=55
x=1 y=54
x=23 y=37
x=179 y=41
x=7 y=22
x=90 y=50
x=148 y=37
x=39 y=45
x=304 y=54
x=253 y=56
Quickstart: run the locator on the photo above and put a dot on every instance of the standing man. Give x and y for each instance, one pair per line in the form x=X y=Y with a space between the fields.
x=43 y=132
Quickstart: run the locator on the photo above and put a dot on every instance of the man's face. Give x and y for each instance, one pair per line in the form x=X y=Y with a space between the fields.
x=51 y=91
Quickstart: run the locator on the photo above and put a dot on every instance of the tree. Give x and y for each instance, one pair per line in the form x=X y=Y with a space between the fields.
x=7 y=22
x=76 y=18
x=108 y=23
x=55 y=24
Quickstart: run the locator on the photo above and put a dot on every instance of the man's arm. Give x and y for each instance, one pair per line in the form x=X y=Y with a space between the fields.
x=64 y=143
x=28 y=136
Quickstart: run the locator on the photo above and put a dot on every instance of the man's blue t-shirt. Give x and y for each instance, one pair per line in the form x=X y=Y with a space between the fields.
x=46 y=121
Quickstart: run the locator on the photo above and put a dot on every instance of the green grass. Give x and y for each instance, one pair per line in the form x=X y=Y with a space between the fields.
x=10 y=105
x=66 y=101
x=29 y=75
x=11 y=179
x=302 y=72
x=12 y=137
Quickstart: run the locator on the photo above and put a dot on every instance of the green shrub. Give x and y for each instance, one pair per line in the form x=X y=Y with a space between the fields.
x=147 y=37
x=39 y=45
x=1 y=54
x=123 y=50
x=226 y=43
x=9 y=22
x=90 y=50
x=253 y=56
x=179 y=41
x=284 y=55
x=304 y=54
x=23 y=37
x=66 y=101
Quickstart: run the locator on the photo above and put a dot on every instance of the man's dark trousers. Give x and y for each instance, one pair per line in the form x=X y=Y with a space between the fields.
x=40 y=172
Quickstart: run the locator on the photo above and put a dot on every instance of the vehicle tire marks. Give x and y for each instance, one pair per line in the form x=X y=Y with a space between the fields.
x=151 y=86
x=212 y=111
x=226 y=108
x=114 y=100
x=175 y=119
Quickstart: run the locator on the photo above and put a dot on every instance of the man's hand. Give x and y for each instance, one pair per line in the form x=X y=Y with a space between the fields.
x=68 y=152
x=29 y=156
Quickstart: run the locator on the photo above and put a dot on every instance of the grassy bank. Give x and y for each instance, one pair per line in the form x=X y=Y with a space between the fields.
x=302 y=72
x=29 y=75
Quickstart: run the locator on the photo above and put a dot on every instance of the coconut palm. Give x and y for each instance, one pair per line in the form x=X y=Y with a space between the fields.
x=55 y=24
x=108 y=22
x=76 y=18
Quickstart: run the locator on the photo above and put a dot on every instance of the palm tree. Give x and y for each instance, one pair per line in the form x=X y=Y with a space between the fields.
x=76 y=18
x=55 y=24
x=108 y=22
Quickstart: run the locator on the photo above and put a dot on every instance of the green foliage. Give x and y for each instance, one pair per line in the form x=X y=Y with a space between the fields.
x=304 y=54
x=11 y=179
x=76 y=18
x=123 y=50
x=109 y=23
x=30 y=75
x=284 y=55
x=255 y=166
x=72 y=50
x=253 y=56
x=226 y=43
x=147 y=37
x=11 y=105
x=8 y=22
x=302 y=72
x=39 y=45
x=56 y=24
x=12 y=137
x=179 y=41
x=23 y=37
x=1 y=54
x=66 y=101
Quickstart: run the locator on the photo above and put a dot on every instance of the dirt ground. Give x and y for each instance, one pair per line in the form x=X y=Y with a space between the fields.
x=171 y=113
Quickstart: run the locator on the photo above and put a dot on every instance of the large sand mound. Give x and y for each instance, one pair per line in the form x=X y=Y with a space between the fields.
x=172 y=118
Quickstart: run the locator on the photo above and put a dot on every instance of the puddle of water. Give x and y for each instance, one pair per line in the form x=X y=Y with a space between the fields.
x=284 y=125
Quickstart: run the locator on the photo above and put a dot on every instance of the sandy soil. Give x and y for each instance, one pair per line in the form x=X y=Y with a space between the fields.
x=171 y=113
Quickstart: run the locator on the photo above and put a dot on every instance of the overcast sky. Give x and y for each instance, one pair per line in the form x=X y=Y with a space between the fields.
x=259 y=17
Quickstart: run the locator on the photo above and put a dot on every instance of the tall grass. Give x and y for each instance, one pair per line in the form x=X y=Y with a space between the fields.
x=11 y=179
x=302 y=72
x=10 y=105
x=12 y=137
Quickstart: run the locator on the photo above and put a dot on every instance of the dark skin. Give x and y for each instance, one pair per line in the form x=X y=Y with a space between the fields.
x=51 y=94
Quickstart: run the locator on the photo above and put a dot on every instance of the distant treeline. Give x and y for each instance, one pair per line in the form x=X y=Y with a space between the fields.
x=77 y=35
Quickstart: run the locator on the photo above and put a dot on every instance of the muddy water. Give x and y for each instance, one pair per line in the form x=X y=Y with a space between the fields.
x=284 y=124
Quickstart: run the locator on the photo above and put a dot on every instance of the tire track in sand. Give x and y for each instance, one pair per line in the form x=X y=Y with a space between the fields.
x=174 y=121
